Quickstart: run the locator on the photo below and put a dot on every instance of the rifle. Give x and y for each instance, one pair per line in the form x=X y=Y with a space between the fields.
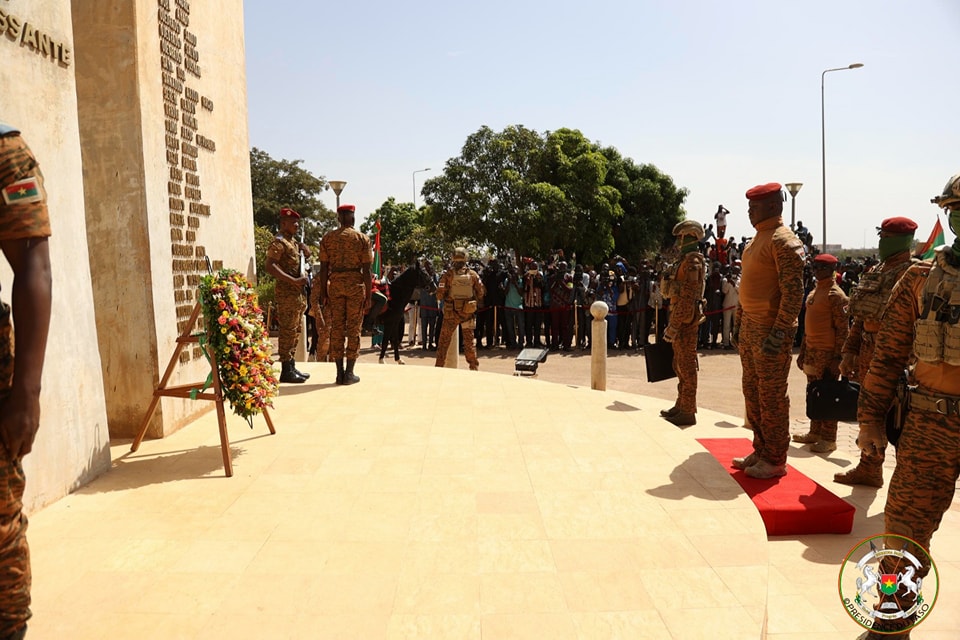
x=897 y=414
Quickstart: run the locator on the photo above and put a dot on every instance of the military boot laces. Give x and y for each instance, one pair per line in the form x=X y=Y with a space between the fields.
x=293 y=365
x=861 y=475
x=288 y=374
x=764 y=470
x=744 y=462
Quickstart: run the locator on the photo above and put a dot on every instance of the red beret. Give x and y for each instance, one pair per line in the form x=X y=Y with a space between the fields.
x=287 y=212
x=825 y=259
x=346 y=208
x=900 y=226
x=764 y=190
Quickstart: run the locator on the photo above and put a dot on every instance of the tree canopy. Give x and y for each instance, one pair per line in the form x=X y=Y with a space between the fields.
x=284 y=183
x=404 y=234
x=520 y=189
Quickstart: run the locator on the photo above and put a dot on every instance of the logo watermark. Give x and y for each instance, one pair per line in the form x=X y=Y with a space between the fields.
x=888 y=578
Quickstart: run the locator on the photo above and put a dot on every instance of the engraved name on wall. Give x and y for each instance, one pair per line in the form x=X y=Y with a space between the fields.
x=184 y=108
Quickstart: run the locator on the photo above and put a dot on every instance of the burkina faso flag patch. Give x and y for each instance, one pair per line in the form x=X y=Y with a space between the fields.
x=24 y=191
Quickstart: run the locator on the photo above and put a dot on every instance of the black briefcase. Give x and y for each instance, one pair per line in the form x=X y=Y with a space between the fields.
x=659 y=359
x=833 y=400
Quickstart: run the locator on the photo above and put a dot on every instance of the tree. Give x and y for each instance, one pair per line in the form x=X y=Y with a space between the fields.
x=518 y=189
x=485 y=195
x=398 y=221
x=284 y=183
x=651 y=203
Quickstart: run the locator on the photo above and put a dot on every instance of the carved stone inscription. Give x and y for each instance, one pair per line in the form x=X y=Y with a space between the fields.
x=180 y=68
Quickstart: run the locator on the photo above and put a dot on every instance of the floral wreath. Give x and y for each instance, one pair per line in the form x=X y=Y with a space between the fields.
x=237 y=335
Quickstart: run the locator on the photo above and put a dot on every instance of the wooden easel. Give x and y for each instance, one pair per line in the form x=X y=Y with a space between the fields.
x=185 y=390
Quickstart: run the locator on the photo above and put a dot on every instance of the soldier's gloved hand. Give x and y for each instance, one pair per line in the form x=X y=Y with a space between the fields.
x=773 y=343
x=848 y=365
x=872 y=439
x=670 y=333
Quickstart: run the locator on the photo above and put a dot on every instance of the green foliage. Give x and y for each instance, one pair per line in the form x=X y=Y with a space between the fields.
x=519 y=189
x=262 y=237
x=284 y=183
x=406 y=233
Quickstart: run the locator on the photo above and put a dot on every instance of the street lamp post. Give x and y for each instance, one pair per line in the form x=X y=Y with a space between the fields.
x=415 y=185
x=823 y=150
x=337 y=186
x=794 y=189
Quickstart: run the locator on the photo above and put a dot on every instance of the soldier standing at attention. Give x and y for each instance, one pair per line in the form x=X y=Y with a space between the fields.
x=24 y=229
x=684 y=287
x=346 y=289
x=826 y=326
x=771 y=294
x=459 y=290
x=283 y=263
x=867 y=302
x=921 y=321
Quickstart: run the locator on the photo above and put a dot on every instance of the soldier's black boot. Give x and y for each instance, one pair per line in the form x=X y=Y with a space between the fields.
x=348 y=377
x=339 y=363
x=293 y=365
x=287 y=373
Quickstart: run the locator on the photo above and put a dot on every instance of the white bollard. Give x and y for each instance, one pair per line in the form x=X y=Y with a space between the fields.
x=598 y=346
x=453 y=351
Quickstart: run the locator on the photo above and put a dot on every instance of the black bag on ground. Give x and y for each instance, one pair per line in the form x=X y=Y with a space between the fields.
x=659 y=359
x=833 y=400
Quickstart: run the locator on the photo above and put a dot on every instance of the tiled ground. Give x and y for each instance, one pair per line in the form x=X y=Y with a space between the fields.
x=436 y=503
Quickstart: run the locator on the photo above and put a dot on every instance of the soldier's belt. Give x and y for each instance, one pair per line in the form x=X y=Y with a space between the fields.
x=346 y=270
x=944 y=405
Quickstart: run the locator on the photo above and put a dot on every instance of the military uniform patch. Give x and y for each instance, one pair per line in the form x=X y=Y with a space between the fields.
x=25 y=191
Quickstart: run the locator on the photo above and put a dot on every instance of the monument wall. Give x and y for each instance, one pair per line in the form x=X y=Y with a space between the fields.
x=162 y=110
x=136 y=110
x=39 y=96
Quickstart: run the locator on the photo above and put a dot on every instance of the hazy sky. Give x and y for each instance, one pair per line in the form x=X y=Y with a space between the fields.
x=721 y=96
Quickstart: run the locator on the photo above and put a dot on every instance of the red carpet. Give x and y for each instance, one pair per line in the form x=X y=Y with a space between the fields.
x=791 y=505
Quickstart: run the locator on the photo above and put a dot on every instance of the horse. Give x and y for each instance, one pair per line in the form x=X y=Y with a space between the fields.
x=872 y=580
x=906 y=581
x=401 y=290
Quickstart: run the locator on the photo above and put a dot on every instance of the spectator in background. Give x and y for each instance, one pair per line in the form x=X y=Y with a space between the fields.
x=730 y=288
x=721 y=217
x=533 y=304
x=512 y=289
x=429 y=312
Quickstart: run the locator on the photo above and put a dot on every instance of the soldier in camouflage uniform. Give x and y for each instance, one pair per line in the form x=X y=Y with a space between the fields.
x=24 y=229
x=683 y=285
x=284 y=264
x=345 y=289
x=867 y=302
x=825 y=330
x=771 y=294
x=459 y=289
x=921 y=322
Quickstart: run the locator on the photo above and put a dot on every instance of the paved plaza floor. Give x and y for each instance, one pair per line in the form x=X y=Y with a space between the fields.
x=441 y=503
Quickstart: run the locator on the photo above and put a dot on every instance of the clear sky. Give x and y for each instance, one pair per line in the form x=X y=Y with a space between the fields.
x=721 y=96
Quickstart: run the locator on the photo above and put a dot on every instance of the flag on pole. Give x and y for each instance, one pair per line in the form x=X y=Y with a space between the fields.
x=935 y=240
x=376 y=252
